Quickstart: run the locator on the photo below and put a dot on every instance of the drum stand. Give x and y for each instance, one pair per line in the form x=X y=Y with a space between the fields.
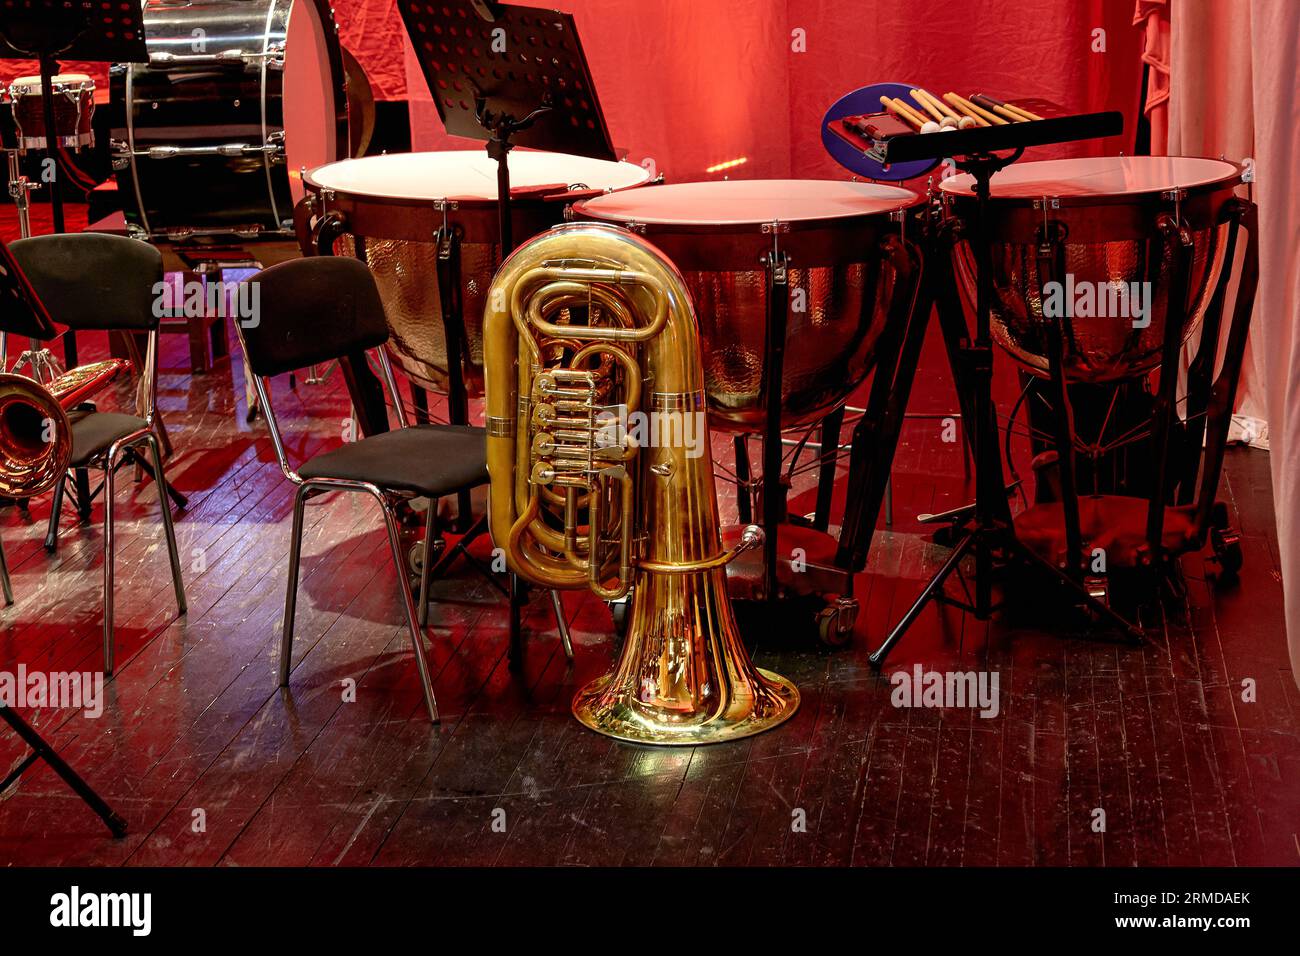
x=989 y=533
x=830 y=565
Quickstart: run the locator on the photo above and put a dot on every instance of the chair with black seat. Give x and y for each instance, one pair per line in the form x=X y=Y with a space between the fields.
x=317 y=310
x=96 y=282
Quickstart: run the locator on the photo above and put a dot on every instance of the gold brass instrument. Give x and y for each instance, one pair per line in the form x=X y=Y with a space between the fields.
x=35 y=433
x=584 y=319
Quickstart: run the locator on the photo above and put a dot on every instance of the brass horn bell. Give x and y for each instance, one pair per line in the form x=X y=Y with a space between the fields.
x=583 y=319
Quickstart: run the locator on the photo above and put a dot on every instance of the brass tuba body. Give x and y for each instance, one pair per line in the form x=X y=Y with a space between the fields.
x=586 y=326
x=35 y=434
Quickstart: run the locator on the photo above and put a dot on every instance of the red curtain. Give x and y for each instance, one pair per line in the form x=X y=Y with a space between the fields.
x=688 y=84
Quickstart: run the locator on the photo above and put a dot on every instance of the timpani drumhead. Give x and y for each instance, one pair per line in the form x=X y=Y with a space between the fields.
x=1109 y=215
x=737 y=202
x=720 y=236
x=1099 y=176
x=470 y=175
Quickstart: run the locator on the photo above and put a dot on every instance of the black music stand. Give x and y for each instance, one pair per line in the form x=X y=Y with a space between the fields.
x=989 y=531
x=104 y=31
x=101 y=31
x=25 y=313
x=513 y=76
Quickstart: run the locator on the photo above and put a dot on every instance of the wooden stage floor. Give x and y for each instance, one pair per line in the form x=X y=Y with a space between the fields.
x=213 y=764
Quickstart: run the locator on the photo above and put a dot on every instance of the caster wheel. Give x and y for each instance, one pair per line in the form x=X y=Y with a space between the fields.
x=415 y=556
x=835 y=622
x=1227 y=552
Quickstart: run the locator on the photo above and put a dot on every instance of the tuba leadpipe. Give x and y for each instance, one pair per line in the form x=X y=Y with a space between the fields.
x=584 y=321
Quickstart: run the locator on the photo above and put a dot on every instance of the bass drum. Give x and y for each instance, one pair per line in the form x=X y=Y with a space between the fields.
x=238 y=97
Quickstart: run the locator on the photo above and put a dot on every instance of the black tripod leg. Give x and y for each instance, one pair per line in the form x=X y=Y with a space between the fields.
x=875 y=439
x=56 y=512
x=1100 y=608
x=45 y=752
x=83 y=493
x=518 y=597
x=744 y=507
x=143 y=465
x=774 y=490
x=931 y=590
x=830 y=453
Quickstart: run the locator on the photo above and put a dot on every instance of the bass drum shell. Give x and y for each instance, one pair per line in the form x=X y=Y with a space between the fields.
x=841 y=283
x=1110 y=208
x=285 y=92
x=389 y=206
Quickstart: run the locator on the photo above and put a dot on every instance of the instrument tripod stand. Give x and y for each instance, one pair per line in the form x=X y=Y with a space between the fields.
x=41 y=750
x=988 y=534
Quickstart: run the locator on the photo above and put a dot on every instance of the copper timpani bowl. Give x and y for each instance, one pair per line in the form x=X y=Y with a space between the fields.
x=1110 y=208
x=392 y=205
x=719 y=235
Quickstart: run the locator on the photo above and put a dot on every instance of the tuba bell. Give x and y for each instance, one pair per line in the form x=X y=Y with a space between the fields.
x=586 y=326
x=35 y=433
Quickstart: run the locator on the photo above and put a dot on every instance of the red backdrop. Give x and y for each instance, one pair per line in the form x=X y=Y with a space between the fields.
x=691 y=83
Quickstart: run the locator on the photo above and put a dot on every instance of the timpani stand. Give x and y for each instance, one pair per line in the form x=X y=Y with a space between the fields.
x=988 y=532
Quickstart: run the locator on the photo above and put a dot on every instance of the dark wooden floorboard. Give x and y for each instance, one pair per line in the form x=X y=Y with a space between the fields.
x=1165 y=739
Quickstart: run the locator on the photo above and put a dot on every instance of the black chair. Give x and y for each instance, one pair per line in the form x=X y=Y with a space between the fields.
x=317 y=310
x=96 y=282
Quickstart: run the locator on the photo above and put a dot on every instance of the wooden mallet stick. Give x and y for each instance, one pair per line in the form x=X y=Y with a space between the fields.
x=929 y=107
x=938 y=104
x=970 y=113
x=980 y=112
x=903 y=110
x=1023 y=112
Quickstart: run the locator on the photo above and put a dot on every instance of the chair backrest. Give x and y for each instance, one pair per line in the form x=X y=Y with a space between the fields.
x=311 y=311
x=94 y=281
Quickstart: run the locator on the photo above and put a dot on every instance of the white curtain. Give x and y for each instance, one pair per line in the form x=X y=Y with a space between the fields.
x=1275 y=82
x=1233 y=92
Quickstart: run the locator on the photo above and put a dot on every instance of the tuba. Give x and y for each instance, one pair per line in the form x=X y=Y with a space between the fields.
x=35 y=433
x=589 y=328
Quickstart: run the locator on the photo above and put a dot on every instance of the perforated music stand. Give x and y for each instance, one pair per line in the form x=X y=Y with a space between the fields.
x=101 y=31
x=513 y=76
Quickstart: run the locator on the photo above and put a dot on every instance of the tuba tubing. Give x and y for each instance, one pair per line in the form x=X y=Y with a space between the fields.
x=570 y=512
x=35 y=432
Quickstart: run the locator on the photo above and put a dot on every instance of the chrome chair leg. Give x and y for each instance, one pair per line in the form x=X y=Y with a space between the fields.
x=565 y=640
x=4 y=577
x=164 y=501
x=109 y=473
x=426 y=566
x=291 y=595
x=412 y=617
